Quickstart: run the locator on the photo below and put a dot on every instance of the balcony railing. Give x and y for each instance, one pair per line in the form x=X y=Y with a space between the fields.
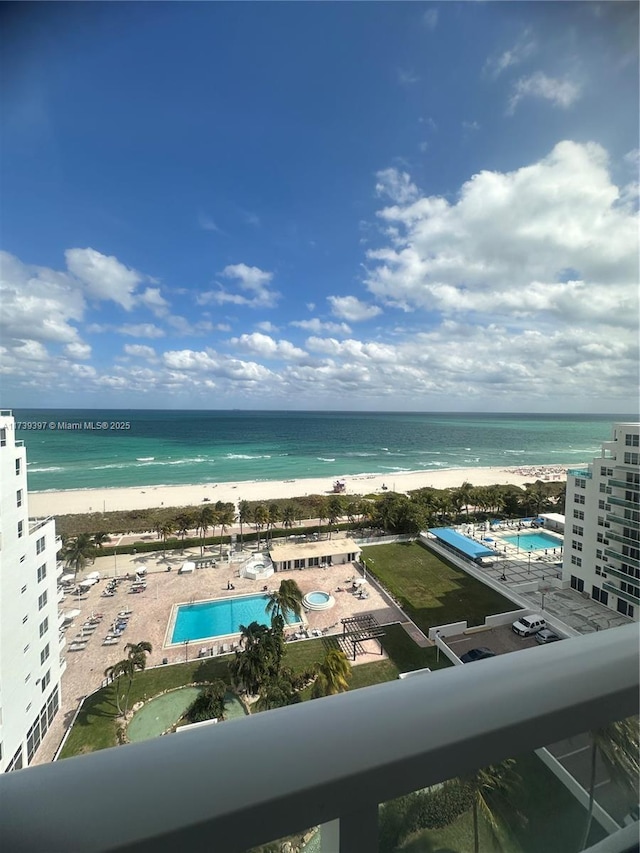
x=37 y=523
x=625 y=540
x=329 y=760
x=615 y=590
x=582 y=473
x=625 y=522
x=623 y=558
x=623 y=484
x=624 y=503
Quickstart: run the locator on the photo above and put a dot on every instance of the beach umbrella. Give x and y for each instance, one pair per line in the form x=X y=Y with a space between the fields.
x=70 y=615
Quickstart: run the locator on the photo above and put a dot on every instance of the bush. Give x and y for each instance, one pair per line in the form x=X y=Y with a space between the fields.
x=437 y=809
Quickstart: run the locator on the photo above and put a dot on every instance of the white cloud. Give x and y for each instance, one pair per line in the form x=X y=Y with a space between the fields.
x=561 y=93
x=78 y=350
x=141 y=330
x=156 y=303
x=521 y=50
x=250 y=279
x=316 y=325
x=548 y=243
x=352 y=309
x=140 y=351
x=181 y=326
x=470 y=125
x=430 y=18
x=267 y=326
x=209 y=362
x=207 y=224
x=396 y=185
x=104 y=277
x=268 y=348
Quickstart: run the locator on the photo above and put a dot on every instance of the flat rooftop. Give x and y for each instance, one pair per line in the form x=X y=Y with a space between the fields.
x=321 y=548
x=461 y=543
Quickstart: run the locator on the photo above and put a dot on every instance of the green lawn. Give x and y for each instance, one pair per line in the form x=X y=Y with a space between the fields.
x=431 y=591
x=97 y=723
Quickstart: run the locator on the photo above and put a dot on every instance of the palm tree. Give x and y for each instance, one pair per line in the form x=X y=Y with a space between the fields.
x=260 y=518
x=465 y=492
x=488 y=786
x=184 y=522
x=287 y=599
x=278 y=692
x=100 y=538
x=618 y=744
x=274 y=517
x=333 y=675
x=209 y=704
x=205 y=520
x=165 y=529
x=288 y=516
x=226 y=517
x=244 y=517
x=122 y=667
x=323 y=512
x=334 y=512
x=78 y=552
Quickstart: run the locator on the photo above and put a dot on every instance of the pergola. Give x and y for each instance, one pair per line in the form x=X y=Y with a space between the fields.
x=357 y=629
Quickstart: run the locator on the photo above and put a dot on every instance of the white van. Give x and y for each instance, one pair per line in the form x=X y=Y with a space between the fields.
x=526 y=626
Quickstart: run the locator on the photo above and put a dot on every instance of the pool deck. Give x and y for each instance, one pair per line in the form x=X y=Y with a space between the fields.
x=152 y=610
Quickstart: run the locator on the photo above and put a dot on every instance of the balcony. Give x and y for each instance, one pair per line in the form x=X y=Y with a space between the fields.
x=624 y=503
x=625 y=540
x=330 y=761
x=581 y=473
x=624 y=522
x=616 y=573
x=627 y=596
x=616 y=555
x=623 y=484
x=36 y=524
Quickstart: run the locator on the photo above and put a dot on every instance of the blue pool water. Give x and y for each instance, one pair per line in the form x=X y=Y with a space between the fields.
x=318 y=597
x=220 y=617
x=534 y=541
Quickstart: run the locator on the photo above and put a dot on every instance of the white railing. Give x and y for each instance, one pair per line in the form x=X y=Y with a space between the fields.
x=328 y=761
x=37 y=523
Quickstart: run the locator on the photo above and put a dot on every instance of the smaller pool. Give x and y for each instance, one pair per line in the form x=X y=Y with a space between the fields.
x=533 y=541
x=318 y=600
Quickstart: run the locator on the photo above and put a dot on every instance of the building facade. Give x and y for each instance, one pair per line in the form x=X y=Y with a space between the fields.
x=31 y=663
x=602 y=529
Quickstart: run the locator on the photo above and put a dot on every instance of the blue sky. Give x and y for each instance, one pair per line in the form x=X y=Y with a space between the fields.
x=396 y=206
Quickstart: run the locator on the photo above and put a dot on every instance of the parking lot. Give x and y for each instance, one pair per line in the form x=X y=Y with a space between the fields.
x=500 y=640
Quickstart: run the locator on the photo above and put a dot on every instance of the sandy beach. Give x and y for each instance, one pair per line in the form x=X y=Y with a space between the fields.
x=107 y=500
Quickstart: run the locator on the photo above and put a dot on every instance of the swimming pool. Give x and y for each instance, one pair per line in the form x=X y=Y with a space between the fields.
x=220 y=617
x=534 y=541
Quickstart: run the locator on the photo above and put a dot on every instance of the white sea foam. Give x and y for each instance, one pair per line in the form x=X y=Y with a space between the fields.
x=145 y=458
x=322 y=459
x=246 y=456
x=42 y=470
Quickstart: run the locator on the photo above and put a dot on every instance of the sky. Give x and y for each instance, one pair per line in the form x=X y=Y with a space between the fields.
x=345 y=206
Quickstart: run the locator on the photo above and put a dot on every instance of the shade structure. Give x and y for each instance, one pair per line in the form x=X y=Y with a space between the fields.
x=85 y=584
x=186 y=567
x=360 y=581
x=67 y=578
x=93 y=576
x=70 y=615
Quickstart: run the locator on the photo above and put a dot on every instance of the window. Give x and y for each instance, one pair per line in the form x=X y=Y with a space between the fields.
x=20 y=529
x=40 y=545
x=27 y=677
x=577 y=583
x=624 y=608
x=46 y=680
x=26 y=649
x=599 y=595
x=577 y=546
x=579 y=531
x=16 y=761
x=580 y=484
x=24 y=618
x=602 y=487
x=42 y=572
x=23 y=590
x=3 y=437
x=576 y=561
x=600 y=537
x=44 y=654
x=44 y=626
x=632 y=440
x=603 y=471
x=298 y=564
x=598 y=553
x=578 y=499
x=579 y=514
x=42 y=600
x=601 y=506
x=19 y=498
x=632 y=458
x=18 y=467
x=598 y=570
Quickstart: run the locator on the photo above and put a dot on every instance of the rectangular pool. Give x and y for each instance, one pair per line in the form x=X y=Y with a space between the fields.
x=219 y=617
x=534 y=541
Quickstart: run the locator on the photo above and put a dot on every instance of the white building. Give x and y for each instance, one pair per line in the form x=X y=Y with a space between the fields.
x=602 y=530
x=30 y=643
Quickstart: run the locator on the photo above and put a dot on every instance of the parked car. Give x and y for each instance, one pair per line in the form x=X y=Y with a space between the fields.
x=528 y=625
x=477 y=654
x=546 y=635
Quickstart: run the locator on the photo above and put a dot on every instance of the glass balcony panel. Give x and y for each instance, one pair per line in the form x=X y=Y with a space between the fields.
x=535 y=801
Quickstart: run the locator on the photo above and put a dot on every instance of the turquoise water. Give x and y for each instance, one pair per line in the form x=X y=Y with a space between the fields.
x=218 y=618
x=318 y=597
x=164 y=711
x=173 y=447
x=533 y=541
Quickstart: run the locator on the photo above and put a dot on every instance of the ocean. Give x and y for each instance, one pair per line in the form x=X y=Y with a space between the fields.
x=152 y=448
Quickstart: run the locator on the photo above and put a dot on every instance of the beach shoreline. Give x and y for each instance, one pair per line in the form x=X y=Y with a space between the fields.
x=76 y=501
